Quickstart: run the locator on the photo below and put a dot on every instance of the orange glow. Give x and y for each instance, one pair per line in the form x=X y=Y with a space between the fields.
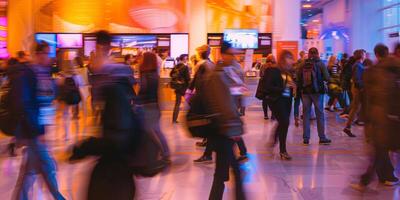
x=307 y=6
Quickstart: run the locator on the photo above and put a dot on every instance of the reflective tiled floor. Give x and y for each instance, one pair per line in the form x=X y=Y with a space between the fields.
x=316 y=173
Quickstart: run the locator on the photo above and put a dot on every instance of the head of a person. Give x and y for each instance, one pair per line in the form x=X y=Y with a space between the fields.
x=313 y=53
x=381 y=51
x=22 y=56
x=397 y=50
x=227 y=52
x=286 y=60
x=42 y=50
x=183 y=58
x=270 y=59
x=332 y=60
x=368 y=62
x=302 y=54
x=148 y=62
x=164 y=54
x=128 y=59
x=345 y=56
x=360 y=55
x=203 y=52
x=103 y=42
x=79 y=61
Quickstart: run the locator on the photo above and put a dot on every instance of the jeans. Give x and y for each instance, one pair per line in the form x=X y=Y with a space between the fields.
x=152 y=116
x=225 y=160
x=281 y=110
x=318 y=101
x=37 y=160
x=177 y=106
x=111 y=178
x=296 y=106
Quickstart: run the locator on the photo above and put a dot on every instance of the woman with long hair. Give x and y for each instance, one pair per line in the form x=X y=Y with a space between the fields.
x=279 y=89
x=148 y=101
x=270 y=61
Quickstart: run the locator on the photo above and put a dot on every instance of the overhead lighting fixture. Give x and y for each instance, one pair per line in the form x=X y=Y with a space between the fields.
x=307 y=6
x=315 y=20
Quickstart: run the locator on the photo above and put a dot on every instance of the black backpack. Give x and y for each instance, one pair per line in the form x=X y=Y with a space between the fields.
x=7 y=123
x=69 y=92
x=176 y=79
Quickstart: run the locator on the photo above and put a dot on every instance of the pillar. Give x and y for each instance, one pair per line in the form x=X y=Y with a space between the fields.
x=197 y=24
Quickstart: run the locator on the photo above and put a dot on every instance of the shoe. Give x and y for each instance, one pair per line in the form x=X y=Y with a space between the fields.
x=242 y=159
x=175 y=122
x=359 y=123
x=329 y=109
x=266 y=118
x=201 y=144
x=348 y=132
x=392 y=182
x=306 y=142
x=344 y=116
x=11 y=150
x=285 y=156
x=359 y=187
x=325 y=142
x=167 y=160
x=204 y=159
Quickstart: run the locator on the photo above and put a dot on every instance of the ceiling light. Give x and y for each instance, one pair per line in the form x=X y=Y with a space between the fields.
x=307 y=6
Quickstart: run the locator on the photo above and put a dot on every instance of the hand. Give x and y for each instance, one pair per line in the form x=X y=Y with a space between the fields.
x=235 y=138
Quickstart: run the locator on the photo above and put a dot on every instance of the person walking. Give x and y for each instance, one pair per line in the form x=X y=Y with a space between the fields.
x=335 y=92
x=357 y=90
x=148 y=101
x=270 y=61
x=311 y=77
x=217 y=98
x=180 y=79
x=29 y=131
x=279 y=90
x=297 y=97
x=381 y=130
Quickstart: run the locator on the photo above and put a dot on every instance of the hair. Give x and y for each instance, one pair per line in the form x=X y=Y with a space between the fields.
x=149 y=62
x=21 y=54
x=284 y=54
x=358 y=54
x=368 y=62
x=381 y=50
x=103 y=38
x=332 y=60
x=271 y=59
x=78 y=60
x=41 y=46
x=345 y=56
x=127 y=57
x=313 y=53
x=225 y=47
x=302 y=53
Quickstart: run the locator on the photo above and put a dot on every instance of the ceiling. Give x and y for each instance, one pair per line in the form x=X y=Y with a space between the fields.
x=310 y=8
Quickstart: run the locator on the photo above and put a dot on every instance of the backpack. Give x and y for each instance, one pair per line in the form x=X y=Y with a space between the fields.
x=311 y=78
x=176 y=79
x=7 y=124
x=69 y=92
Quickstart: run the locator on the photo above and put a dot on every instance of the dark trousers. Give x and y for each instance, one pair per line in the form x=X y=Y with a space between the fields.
x=111 y=179
x=265 y=107
x=381 y=164
x=210 y=147
x=281 y=110
x=225 y=160
x=339 y=97
x=178 y=101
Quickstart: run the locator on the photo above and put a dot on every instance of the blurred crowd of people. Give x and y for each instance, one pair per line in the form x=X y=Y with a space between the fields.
x=124 y=101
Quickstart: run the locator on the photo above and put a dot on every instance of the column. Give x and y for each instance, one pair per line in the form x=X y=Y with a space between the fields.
x=197 y=24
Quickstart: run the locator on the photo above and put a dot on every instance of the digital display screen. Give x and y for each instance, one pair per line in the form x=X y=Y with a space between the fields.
x=242 y=38
x=179 y=45
x=69 y=40
x=143 y=41
x=89 y=45
x=50 y=39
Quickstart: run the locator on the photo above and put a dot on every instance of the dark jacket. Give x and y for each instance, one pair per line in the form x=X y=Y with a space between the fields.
x=148 y=87
x=321 y=73
x=273 y=83
x=218 y=100
x=204 y=67
x=24 y=105
x=346 y=74
x=183 y=78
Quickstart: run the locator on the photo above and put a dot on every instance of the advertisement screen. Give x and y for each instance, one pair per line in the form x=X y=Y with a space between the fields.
x=242 y=38
x=127 y=41
x=50 y=39
x=69 y=41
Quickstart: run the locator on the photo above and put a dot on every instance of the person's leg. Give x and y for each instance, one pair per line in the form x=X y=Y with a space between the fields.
x=177 y=106
x=265 y=108
x=296 y=107
x=318 y=101
x=26 y=177
x=354 y=108
x=242 y=147
x=209 y=147
x=224 y=150
x=47 y=168
x=384 y=166
x=307 y=102
x=152 y=119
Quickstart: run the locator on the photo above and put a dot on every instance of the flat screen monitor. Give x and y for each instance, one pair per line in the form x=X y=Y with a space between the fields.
x=179 y=45
x=89 y=45
x=242 y=38
x=129 y=41
x=51 y=39
x=169 y=64
x=67 y=40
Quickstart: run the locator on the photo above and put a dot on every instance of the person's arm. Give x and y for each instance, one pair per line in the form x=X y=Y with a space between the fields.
x=358 y=79
x=325 y=72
